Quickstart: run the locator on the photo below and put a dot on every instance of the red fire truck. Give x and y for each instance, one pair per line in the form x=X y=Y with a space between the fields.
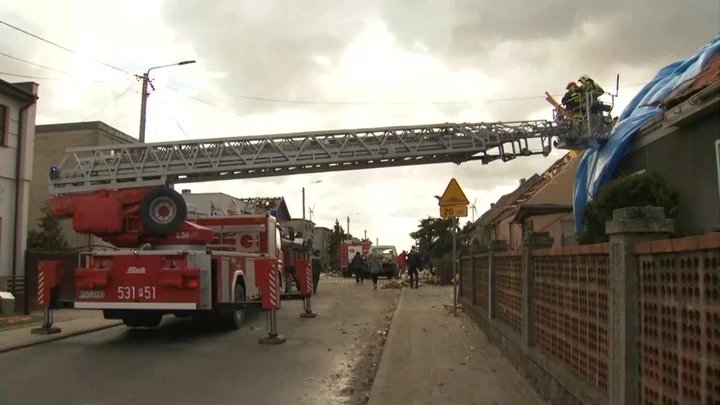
x=205 y=268
x=123 y=194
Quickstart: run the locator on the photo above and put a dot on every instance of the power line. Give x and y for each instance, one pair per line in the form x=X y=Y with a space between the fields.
x=379 y=103
x=32 y=63
x=28 y=76
x=22 y=76
x=47 y=41
x=172 y=116
x=112 y=102
x=207 y=103
x=42 y=67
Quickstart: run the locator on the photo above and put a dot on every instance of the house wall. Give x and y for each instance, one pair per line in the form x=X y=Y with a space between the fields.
x=202 y=203
x=13 y=196
x=321 y=242
x=51 y=143
x=303 y=226
x=558 y=190
x=686 y=158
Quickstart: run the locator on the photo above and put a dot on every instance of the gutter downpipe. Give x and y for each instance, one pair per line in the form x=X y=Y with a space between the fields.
x=18 y=166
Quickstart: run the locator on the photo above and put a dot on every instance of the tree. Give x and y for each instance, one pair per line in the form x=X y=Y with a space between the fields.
x=337 y=237
x=49 y=236
x=434 y=237
x=637 y=190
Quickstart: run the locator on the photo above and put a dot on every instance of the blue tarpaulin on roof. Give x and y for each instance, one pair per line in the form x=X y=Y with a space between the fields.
x=598 y=165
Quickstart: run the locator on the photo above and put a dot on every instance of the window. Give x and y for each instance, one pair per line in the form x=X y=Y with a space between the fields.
x=4 y=124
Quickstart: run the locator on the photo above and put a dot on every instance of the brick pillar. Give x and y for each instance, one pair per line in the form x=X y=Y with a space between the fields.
x=494 y=247
x=628 y=226
x=531 y=241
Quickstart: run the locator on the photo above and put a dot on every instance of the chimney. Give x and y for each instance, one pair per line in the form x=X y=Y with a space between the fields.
x=522 y=181
x=186 y=191
x=492 y=205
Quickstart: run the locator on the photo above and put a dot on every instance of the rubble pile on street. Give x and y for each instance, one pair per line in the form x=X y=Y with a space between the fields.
x=398 y=282
x=427 y=277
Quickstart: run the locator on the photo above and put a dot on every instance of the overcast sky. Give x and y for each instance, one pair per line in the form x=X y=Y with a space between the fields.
x=297 y=65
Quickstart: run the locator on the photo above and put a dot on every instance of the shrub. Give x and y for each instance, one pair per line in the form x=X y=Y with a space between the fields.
x=637 y=190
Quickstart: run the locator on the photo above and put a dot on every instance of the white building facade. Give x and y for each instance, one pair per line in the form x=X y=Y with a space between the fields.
x=18 y=109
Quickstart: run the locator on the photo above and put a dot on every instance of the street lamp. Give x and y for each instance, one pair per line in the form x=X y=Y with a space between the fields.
x=146 y=93
x=303 y=196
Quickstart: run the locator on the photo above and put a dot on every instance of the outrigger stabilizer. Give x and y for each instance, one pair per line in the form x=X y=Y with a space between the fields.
x=303 y=273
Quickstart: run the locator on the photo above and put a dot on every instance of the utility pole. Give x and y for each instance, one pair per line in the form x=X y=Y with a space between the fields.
x=348 y=226
x=146 y=85
x=143 y=104
x=303 y=197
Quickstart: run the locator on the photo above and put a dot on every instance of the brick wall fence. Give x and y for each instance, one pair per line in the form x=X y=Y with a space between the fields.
x=632 y=321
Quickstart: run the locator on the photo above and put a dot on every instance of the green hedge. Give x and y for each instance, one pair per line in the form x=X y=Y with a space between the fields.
x=637 y=190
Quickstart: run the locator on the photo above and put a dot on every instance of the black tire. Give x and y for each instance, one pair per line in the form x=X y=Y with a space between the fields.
x=172 y=200
x=236 y=319
x=132 y=322
x=143 y=321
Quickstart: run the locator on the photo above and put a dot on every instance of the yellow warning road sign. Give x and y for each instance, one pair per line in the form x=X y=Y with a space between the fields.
x=453 y=195
x=453 y=211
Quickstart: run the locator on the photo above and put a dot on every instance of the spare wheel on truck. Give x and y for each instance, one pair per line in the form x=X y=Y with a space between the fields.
x=162 y=211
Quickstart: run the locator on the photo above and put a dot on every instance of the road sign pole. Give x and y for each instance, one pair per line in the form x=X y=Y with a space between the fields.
x=455 y=269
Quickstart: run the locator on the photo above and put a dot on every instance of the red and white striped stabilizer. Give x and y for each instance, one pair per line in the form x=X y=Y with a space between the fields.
x=41 y=288
x=308 y=277
x=273 y=289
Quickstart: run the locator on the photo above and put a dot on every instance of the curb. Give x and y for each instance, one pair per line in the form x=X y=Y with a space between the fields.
x=60 y=336
x=381 y=373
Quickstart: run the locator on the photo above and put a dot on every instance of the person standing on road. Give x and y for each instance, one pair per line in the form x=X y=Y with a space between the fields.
x=414 y=262
x=375 y=267
x=316 y=270
x=357 y=265
x=402 y=262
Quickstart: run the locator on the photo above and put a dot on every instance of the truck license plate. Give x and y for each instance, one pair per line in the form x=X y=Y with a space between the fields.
x=133 y=293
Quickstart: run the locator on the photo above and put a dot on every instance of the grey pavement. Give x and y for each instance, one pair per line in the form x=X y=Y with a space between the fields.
x=70 y=322
x=178 y=364
x=434 y=358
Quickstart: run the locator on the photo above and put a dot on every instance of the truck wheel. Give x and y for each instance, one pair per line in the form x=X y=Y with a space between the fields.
x=151 y=321
x=162 y=210
x=132 y=322
x=235 y=320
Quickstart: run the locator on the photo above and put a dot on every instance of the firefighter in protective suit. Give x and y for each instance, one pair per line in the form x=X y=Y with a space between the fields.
x=590 y=93
x=572 y=100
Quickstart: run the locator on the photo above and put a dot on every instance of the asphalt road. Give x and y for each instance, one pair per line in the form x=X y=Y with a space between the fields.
x=176 y=364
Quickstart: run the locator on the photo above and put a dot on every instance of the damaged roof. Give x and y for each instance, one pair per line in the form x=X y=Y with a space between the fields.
x=262 y=205
x=524 y=192
x=709 y=76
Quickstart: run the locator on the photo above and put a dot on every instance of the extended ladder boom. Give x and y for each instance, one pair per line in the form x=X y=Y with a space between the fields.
x=145 y=165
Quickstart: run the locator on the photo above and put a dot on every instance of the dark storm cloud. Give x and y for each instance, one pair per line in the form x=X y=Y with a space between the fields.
x=629 y=32
x=268 y=48
x=269 y=45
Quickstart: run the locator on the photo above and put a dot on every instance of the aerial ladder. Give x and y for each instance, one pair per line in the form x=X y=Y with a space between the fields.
x=123 y=194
